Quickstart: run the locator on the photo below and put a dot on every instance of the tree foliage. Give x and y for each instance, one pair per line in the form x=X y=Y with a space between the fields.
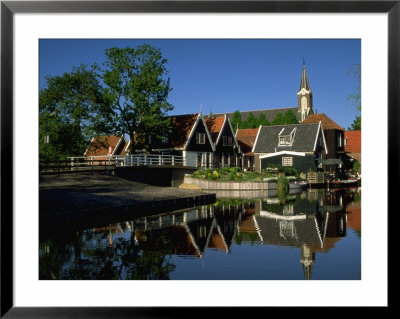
x=236 y=120
x=127 y=95
x=136 y=89
x=66 y=107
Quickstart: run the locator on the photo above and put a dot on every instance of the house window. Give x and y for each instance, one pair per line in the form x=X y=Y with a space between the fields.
x=230 y=141
x=339 y=140
x=200 y=138
x=47 y=139
x=224 y=140
x=287 y=161
x=282 y=140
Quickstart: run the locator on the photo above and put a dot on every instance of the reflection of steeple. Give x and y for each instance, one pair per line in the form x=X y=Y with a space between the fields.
x=307 y=258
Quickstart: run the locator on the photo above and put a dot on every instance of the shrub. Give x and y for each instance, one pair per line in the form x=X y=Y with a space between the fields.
x=283 y=183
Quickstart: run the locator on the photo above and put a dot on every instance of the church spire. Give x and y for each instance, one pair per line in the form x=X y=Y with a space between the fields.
x=304 y=79
x=304 y=96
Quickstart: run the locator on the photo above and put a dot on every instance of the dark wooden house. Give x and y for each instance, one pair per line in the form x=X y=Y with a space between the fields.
x=189 y=138
x=226 y=148
x=300 y=146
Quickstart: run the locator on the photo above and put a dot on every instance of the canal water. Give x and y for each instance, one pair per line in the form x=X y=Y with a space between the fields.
x=310 y=235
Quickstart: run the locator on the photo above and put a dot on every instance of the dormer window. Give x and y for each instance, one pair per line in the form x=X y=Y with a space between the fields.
x=286 y=139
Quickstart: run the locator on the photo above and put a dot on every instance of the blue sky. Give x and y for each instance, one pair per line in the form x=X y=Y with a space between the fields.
x=226 y=75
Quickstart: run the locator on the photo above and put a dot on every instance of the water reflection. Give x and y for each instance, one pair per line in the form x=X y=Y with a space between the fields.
x=147 y=247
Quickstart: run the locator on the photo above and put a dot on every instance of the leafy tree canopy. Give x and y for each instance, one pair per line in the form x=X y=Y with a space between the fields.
x=66 y=107
x=136 y=89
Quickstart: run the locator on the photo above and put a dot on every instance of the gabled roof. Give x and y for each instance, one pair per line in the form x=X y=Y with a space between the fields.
x=214 y=126
x=182 y=126
x=246 y=139
x=327 y=122
x=99 y=146
x=353 y=141
x=304 y=138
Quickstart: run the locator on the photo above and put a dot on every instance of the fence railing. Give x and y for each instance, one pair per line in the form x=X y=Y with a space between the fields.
x=316 y=177
x=105 y=164
x=153 y=159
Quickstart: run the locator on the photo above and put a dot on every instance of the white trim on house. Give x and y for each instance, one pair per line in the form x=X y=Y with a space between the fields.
x=283 y=153
x=127 y=146
x=222 y=128
x=91 y=141
x=234 y=135
x=320 y=131
x=191 y=132
x=119 y=142
x=255 y=142
x=208 y=134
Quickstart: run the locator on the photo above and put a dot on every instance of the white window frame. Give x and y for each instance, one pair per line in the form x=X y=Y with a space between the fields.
x=200 y=138
x=287 y=161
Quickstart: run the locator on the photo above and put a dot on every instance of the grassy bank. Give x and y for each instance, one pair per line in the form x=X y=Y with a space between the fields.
x=238 y=175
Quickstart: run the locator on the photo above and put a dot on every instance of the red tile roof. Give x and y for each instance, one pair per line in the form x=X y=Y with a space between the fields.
x=214 y=126
x=246 y=139
x=353 y=141
x=101 y=145
x=181 y=127
x=327 y=122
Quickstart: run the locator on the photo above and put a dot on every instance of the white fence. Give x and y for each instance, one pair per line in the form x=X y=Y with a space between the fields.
x=128 y=160
x=153 y=159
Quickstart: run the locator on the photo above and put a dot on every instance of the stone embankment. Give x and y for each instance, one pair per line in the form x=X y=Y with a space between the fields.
x=230 y=186
x=68 y=197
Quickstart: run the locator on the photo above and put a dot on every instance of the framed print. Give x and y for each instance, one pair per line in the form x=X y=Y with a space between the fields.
x=222 y=250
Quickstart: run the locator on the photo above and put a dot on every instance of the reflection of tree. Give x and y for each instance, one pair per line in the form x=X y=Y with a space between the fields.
x=89 y=256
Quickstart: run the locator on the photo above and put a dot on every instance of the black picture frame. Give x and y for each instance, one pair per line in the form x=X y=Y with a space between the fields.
x=9 y=8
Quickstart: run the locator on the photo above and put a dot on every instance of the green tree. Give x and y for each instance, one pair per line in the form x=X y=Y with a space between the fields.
x=278 y=120
x=355 y=98
x=135 y=94
x=251 y=121
x=262 y=120
x=289 y=117
x=66 y=106
x=236 y=120
x=356 y=125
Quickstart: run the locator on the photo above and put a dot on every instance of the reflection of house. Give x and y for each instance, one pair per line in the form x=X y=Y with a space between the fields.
x=246 y=139
x=353 y=211
x=296 y=145
x=102 y=147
